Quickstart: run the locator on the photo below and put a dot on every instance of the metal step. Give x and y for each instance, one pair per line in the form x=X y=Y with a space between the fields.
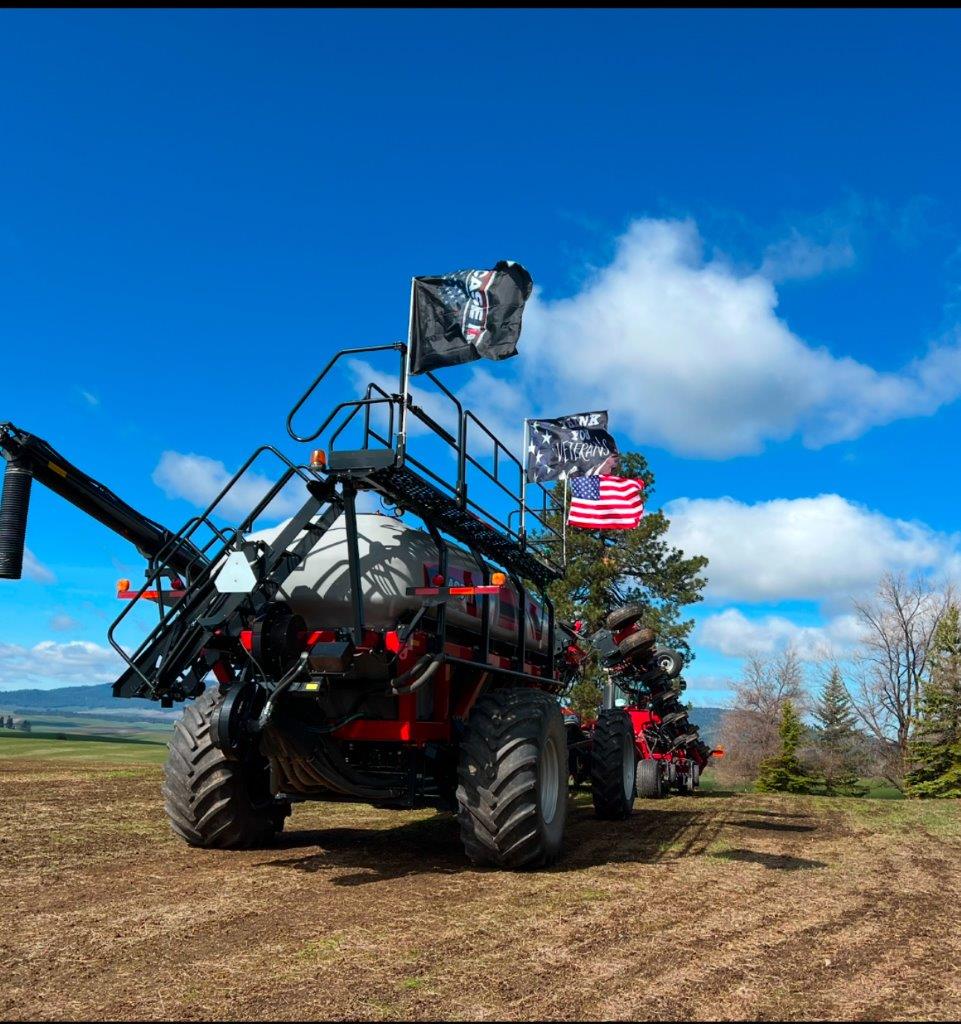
x=407 y=490
x=361 y=460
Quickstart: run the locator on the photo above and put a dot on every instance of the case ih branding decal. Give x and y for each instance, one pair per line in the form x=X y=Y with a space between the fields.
x=474 y=316
x=467 y=315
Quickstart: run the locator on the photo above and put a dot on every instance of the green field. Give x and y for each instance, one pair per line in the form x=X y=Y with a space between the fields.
x=143 y=748
x=102 y=724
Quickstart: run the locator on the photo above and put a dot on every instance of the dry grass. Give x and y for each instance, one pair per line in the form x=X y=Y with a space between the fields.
x=721 y=906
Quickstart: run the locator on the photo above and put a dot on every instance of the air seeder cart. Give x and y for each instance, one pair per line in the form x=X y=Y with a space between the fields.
x=352 y=656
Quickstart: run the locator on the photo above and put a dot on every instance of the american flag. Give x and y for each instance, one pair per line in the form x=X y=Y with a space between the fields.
x=605 y=503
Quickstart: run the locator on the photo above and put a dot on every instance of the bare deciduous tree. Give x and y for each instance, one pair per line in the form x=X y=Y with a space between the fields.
x=749 y=731
x=897 y=626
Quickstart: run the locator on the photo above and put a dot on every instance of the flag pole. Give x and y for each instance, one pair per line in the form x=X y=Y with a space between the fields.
x=564 y=522
x=527 y=425
x=405 y=375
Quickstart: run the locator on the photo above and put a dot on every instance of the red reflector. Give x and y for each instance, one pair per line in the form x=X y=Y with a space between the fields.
x=438 y=580
x=392 y=641
x=247 y=639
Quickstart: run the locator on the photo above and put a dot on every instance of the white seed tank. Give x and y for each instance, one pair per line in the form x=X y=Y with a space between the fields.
x=393 y=557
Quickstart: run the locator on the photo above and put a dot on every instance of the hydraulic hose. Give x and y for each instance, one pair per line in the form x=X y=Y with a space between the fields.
x=14 y=505
x=432 y=661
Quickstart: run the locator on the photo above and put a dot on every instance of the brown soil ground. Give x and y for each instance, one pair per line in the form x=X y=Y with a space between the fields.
x=717 y=906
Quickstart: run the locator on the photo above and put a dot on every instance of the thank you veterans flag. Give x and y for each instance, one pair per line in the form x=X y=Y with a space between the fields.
x=467 y=315
x=577 y=445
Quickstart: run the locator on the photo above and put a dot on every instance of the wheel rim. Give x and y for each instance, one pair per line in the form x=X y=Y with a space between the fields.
x=550 y=781
x=665 y=664
x=628 y=766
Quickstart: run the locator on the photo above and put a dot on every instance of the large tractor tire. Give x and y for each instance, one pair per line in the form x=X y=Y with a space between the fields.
x=212 y=800
x=649 y=782
x=637 y=644
x=621 y=618
x=512 y=780
x=612 y=765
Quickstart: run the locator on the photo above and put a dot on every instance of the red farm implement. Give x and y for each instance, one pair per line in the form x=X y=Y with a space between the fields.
x=405 y=658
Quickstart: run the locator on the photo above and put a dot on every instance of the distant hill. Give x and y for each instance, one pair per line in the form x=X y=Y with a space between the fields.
x=100 y=699
x=79 y=699
x=708 y=720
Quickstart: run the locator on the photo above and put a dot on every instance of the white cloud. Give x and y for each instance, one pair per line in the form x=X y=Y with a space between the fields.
x=60 y=622
x=34 y=569
x=730 y=632
x=90 y=398
x=803 y=548
x=690 y=354
x=51 y=663
x=799 y=256
x=199 y=479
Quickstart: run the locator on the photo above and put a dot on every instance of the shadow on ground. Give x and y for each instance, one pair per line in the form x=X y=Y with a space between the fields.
x=432 y=846
x=776 y=814
x=775 y=826
x=779 y=861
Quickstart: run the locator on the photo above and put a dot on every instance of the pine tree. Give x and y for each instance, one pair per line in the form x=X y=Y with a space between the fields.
x=934 y=751
x=784 y=773
x=610 y=568
x=837 y=741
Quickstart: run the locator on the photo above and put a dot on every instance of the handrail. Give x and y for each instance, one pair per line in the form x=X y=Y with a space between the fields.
x=395 y=346
x=227 y=537
x=498 y=465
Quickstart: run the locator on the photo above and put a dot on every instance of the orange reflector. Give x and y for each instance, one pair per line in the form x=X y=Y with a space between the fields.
x=123 y=585
x=718 y=752
x=318 y=458
x=499 y=579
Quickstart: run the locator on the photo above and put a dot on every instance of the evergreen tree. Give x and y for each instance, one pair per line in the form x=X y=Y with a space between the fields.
x=934 y=751
x=838 y=741
x=784 y=773
x=9 y=723
x=610 y=568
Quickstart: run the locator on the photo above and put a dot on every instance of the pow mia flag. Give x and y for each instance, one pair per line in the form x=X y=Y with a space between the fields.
x=577 y=445
x=467 y=315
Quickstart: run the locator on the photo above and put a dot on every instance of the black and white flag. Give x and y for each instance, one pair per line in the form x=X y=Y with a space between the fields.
x=577 y=445
x=468 y=315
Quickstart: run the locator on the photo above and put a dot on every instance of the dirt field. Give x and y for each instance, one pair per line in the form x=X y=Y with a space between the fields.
x=718 y=906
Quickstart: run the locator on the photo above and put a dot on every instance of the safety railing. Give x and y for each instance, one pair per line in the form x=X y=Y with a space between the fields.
x=218 y=542
x=529 y=515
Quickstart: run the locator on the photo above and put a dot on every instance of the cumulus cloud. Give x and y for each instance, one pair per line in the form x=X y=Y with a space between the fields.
x=199 y=479
x=732 y=633
x=689 y=353
x=34 y=569
x=803 y=548
x=51 y=663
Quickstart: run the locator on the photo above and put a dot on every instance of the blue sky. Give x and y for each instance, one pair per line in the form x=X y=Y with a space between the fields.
x=744 y=231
